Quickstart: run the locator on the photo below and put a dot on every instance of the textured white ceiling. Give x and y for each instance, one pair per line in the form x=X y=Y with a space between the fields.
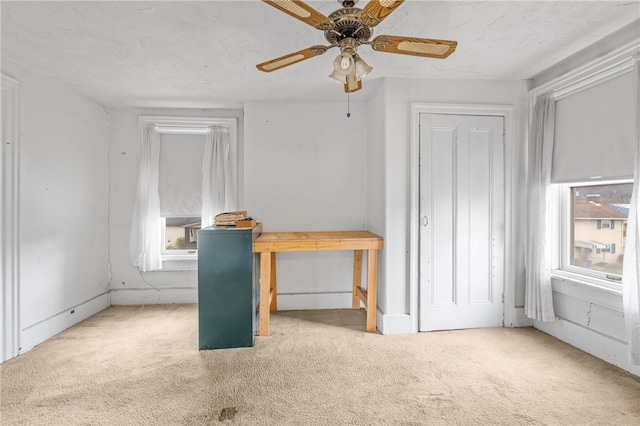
x=203 y=53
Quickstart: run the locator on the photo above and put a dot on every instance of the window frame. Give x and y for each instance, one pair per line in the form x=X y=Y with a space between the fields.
x=187 y=259
x=561 y=245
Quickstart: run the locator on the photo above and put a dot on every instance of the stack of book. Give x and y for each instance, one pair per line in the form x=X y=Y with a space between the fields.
x=238 y=219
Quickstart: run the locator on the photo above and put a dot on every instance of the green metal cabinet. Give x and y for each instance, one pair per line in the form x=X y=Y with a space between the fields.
x=228 y=288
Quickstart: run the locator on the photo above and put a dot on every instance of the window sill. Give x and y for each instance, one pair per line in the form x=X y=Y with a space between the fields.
x=179 y=263
x=587 y=288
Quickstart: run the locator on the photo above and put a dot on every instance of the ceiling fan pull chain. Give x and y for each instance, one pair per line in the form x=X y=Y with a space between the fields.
x=348 y=105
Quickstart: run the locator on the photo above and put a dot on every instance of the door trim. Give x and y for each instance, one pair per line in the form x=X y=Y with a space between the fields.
x=10 y=218
x=505 y=111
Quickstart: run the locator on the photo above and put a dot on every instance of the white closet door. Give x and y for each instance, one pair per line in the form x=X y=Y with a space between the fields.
x=461 y=221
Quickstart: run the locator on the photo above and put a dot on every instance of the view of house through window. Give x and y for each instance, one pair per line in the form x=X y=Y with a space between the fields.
x=181 y=233
x=599 y=226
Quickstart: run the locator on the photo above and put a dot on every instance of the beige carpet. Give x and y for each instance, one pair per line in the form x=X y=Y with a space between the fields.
x=141 y=366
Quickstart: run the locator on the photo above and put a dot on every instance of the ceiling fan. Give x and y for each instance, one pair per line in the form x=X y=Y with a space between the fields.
x=348 y=28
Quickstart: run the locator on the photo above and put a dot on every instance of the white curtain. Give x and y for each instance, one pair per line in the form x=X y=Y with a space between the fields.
x=538 y=298
x=145 y=239
x=218 y=189
x=631 y=265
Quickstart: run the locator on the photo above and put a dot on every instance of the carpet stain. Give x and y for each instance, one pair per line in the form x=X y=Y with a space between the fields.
x=227 y=414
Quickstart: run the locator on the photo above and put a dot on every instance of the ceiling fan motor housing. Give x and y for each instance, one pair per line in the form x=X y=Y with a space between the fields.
x=348 y=25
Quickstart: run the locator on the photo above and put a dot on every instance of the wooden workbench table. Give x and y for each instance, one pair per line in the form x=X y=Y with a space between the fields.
x=269 y=243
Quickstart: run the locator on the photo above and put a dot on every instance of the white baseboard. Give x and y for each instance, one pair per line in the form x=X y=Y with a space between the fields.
x=37 y=333
x=152 y=296
x=610 y=350
x=394 y=323
x=521 y=319
x=387 y=324
x=286 y=302
x=306 y=301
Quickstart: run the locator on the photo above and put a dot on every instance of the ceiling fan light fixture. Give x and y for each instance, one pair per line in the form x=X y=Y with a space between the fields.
x=362 y=69
x=338 y=77
x=345 y=62
x=343 y=65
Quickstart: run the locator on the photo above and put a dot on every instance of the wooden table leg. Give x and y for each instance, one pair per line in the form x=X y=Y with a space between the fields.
x=372 y=289
x=274 y=292
x=265 y=289
x=357 y=278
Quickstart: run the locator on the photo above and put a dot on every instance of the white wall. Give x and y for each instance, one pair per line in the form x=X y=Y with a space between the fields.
x=63 y=207
x=305 y=170
x=398 y=95
x=590 y=318
x=128 y=284
x=376 y=190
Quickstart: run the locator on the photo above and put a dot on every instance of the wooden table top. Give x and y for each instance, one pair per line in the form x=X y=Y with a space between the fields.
x=314 y=241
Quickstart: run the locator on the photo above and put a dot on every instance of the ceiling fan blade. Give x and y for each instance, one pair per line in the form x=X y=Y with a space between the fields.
x=292 y=58
x=302 y=11
x=352 y=85
x=425 y=47
x=376 y=10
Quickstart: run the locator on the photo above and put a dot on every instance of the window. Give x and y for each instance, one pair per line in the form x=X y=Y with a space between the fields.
x=187 y=174
x=180 y=190
x=593 y=228
x=180 y=235
x=593 y=149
